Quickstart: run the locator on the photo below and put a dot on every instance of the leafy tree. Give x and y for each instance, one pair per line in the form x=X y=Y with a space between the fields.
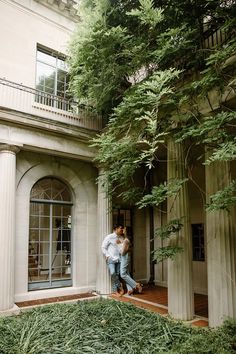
x=145 y=67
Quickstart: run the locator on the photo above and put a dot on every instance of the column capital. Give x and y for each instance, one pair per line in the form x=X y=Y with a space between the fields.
x=10 y=148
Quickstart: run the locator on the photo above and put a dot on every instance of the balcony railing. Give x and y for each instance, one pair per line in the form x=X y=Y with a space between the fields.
x=25 y=99
x=214 y=37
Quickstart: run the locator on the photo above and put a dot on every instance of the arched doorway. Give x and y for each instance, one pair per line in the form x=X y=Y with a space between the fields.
x=49 y=256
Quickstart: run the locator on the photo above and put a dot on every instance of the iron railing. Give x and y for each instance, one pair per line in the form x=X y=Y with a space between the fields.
x=213 y=37
x=18 y=97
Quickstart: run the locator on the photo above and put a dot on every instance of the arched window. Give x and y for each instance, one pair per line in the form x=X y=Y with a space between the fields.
x=49 y=258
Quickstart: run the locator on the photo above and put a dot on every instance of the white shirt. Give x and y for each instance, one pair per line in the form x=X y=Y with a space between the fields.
x=110 y=248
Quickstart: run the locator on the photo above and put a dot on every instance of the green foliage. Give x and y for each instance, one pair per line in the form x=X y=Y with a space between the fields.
x=216 y=73
x=133 y=140
x=107 y=326
x=162 y=253
x=117 y=160
x=144 y=65
x=161 y=193
x=148 y=14
x=223 y=199
x=212 y=130
x=165 y=232
x=99 y=82
x=224 y=152
x=168 y=229
x=132 y=195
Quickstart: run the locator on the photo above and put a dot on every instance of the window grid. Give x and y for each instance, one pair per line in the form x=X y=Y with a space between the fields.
x=51 y=79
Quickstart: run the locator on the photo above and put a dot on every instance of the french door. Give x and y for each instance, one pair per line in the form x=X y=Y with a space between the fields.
x=49 y=256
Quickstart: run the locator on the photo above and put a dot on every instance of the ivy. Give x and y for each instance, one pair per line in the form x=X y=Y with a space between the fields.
x=223 y=199
x=169 y=229
x=225 y=152
x=147 y=14
x=143 y=66
x=161 y=193
x=163 y=253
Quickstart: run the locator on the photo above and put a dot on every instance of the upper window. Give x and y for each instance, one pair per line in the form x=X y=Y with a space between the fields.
x=51 y=78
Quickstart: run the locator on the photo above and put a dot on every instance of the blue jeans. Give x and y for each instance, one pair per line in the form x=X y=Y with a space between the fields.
x=114 y=269
x=124 y=272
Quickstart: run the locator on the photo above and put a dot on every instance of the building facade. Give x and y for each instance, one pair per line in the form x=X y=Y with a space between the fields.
x=48 y=181
x=53 y=212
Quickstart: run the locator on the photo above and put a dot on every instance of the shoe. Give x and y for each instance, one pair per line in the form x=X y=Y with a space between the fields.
x=130 y=292
x=121 y=289
x=116 y=294
x=139 y=288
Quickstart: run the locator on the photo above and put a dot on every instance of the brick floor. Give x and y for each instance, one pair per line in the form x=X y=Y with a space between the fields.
x=53 y=300
x=155 y=298
x=200 y=323
x=138 y=303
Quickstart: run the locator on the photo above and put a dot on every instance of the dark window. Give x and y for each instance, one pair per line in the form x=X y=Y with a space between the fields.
x=198 y=242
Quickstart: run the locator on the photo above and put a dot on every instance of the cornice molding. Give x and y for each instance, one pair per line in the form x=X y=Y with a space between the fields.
x=67 y=8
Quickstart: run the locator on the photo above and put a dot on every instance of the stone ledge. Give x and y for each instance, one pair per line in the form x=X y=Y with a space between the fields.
x=67 y=8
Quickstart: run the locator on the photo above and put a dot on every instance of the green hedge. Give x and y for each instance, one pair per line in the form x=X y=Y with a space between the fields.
x=107 y=326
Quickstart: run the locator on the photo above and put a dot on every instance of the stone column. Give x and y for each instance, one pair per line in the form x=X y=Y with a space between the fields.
x=103 y=283
x=221 y=249
x=180 y=288
x=7 y=222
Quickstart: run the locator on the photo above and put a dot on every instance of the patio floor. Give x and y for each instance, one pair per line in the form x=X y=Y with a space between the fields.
x=155 y=298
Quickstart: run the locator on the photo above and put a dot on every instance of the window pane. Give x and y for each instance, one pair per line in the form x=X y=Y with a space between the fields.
x=46 y=58
x=61 y=83
x=198 y=242
x=45 y=79
x=61 y=64
x=44 y=222
x=51 y=79
x=34 y=222
x=34 y=236
x=52 y=189
x=57 y=212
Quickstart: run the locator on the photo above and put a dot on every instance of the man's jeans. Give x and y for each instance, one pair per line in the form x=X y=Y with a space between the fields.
x=124 y=272
x=114 y=269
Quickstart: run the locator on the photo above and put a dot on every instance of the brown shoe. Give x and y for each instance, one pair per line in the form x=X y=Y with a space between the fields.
x=116 y=294
x=121 y=290
x=130 y=292
x=139 y=288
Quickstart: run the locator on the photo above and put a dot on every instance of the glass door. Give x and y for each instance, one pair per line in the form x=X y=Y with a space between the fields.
x=49 y=258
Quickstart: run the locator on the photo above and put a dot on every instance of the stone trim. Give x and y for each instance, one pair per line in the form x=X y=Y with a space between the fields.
x=9 y=148
x=67 y=8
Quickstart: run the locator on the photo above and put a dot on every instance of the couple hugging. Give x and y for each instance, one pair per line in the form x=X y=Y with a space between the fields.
x=115 y=248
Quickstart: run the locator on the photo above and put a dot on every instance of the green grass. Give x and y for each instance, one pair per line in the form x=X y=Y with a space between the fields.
x=107 y=326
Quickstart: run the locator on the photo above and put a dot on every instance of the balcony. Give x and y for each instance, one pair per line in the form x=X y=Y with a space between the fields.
x=214 y=38
x=17 y=97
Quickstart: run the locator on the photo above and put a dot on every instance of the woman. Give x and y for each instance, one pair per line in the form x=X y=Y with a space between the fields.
x=124 y=266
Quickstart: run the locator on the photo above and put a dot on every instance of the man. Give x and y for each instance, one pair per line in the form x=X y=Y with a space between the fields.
x=110 y=249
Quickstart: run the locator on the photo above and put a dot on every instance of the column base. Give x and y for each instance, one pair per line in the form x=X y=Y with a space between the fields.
x=15 y=310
